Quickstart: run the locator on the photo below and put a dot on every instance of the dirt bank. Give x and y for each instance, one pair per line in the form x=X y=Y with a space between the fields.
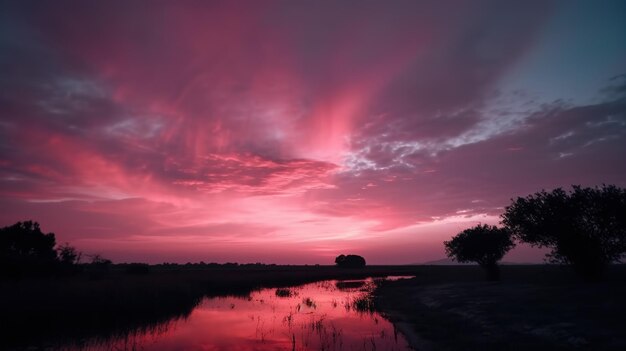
x=524 y=312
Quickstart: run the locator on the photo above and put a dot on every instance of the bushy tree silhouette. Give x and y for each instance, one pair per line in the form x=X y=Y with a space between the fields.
x=68 y=254
x=483 y=244
x=585 y=227
x=69 y=259
x=25 y=249
x=350 y=261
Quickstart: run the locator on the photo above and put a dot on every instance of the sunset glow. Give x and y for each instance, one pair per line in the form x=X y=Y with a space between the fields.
x=293 y=131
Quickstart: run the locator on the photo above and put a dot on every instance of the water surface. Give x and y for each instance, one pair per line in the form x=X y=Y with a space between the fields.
x=327 y=315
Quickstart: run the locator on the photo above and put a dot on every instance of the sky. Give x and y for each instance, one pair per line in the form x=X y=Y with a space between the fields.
x=293 y=131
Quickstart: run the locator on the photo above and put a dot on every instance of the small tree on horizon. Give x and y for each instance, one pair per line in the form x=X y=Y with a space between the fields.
x=350 y=261
x=483 y=244
x=68 y=255
x=585 y=227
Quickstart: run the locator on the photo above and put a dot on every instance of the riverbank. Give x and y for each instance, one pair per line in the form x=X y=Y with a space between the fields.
x=533 y=308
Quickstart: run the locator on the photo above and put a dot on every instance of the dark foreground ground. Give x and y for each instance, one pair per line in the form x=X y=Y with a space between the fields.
x=442 y=308
x=533 y=308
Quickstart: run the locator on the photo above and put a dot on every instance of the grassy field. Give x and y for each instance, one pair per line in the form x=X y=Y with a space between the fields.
x=533 y=308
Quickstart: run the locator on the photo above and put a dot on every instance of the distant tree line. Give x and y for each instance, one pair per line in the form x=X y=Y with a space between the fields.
x=584 y=228
x=26 y=251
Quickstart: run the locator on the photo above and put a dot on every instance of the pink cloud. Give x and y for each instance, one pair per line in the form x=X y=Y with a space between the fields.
x=277 y=131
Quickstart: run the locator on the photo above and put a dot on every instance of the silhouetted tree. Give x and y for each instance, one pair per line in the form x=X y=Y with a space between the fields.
x=350 y=261
x=68 y=254
x=483 y=244
x=69 y=258
x=585 y=227
x=25 y=249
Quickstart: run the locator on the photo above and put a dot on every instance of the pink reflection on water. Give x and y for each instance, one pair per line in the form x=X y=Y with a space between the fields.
x=326 y=315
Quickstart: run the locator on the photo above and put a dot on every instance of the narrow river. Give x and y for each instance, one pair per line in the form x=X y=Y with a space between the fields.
x=327 y=315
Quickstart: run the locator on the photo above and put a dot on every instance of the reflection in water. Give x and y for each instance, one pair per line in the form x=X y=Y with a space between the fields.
x=328 y=315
